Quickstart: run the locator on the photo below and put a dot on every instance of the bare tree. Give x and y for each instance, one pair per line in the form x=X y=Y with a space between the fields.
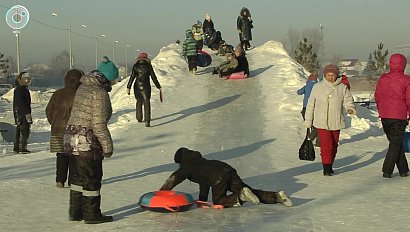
x=59 y=65
x=336 y=58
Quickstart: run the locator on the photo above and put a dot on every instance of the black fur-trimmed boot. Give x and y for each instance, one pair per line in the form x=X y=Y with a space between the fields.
x=75 y=211
x=92 y=212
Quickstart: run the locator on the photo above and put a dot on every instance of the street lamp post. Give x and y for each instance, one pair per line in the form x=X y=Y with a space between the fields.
x=96 y=47
x=18 y=50
x=96 y=52
x=70 y=47
x=322 y=49
x=126 y=60
x=113 y=51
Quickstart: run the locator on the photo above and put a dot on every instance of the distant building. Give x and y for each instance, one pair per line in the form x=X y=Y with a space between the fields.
x=352 y=67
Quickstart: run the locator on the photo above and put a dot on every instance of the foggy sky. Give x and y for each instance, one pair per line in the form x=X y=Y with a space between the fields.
x=352 y=28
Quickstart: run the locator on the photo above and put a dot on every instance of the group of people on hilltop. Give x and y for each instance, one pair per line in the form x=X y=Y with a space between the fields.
x=322 y=112
x=194 y=42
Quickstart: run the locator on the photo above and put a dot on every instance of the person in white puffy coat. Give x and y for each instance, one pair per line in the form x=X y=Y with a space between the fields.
x=325 y=112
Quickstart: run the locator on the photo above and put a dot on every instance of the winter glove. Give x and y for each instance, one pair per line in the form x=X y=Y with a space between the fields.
x=29 y=118
x=128 y=91
x=107 y=155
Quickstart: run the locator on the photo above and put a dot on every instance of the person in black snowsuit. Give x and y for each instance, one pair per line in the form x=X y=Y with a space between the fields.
x=243 y=64
x=22 y=113
x=221 y=177
x=244 y=26
x=141 y=72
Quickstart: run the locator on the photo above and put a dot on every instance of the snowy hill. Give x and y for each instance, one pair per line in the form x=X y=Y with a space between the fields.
x=254 y=124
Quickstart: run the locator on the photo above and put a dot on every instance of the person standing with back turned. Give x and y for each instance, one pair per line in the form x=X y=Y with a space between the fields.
x=58 y=112
x=141 y=73
x=392 y=97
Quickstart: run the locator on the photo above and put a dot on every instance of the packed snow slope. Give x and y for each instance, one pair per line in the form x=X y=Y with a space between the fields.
x=253 y=124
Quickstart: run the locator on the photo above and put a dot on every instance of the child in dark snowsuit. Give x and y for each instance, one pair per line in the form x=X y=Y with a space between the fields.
x=221 y=177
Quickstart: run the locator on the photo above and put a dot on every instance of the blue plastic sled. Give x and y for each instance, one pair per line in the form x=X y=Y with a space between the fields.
x=204 y=59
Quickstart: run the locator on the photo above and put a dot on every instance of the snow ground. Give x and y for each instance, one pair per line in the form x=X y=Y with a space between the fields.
x=252 y=124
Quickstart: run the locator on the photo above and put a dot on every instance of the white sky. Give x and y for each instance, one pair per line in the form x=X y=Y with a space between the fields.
x=255 y=125
x=352 y=28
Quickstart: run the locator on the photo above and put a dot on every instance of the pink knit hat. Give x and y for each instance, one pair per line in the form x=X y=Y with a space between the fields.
x=142 y=55
x=331 y=68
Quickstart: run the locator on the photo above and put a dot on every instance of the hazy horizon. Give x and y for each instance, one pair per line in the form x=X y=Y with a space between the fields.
x=352 y=29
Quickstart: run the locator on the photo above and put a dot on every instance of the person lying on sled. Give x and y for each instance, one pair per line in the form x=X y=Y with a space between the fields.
x=222 y=178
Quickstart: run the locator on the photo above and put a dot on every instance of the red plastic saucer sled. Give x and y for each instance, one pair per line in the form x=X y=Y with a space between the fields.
x=166 y=201
x=237 y=75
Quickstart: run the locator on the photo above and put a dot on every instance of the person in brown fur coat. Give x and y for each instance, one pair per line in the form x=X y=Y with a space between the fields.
x=58 y=112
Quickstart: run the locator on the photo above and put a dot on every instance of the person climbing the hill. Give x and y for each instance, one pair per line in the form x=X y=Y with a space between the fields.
x=142 y=71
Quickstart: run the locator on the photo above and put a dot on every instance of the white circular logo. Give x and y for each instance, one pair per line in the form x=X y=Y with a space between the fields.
x=17 y=17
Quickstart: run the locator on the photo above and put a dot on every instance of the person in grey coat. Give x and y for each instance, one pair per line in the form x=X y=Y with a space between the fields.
x=324 y=111
x=88 y=140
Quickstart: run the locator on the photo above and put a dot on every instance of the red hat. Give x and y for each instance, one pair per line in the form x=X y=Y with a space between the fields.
x=142 y=55
x=331 y=68
x=312 y=77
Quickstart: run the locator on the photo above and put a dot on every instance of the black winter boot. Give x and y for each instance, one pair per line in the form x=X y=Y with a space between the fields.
x=92 y=212
x=23 y=146
x=75 y=211
x=327 y=170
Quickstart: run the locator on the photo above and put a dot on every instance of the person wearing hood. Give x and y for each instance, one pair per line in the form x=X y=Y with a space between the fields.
x=22 y=112
x=243 y=65
x=88 y=141
x=244 y=24
x=141 y=73
x=189 y=51
x=305 y=91
x=58 y=112
x=324 y=111
x=108 y=68
x=197 y=33
x=221 y=177
x=208 y=24
x=392 y=95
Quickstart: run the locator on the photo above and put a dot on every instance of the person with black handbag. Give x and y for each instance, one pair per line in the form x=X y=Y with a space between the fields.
x=324 y=111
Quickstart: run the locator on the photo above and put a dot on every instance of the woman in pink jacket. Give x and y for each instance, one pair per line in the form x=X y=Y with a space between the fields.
x=392 y=97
